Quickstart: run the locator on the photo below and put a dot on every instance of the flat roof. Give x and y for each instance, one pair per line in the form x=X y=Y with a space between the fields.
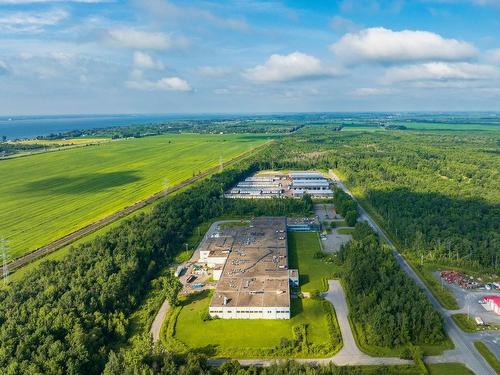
x=256 y=271
x=300 y=183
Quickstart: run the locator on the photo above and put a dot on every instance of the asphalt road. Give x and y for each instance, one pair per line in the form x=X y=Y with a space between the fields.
x=464 y=351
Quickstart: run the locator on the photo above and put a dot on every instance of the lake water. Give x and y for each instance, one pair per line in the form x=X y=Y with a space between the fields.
x=31 y=126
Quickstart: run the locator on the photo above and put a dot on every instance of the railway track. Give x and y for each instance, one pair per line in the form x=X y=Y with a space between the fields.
x=73 y=236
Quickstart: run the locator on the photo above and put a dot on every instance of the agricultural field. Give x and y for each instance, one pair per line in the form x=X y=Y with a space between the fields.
x=46 y=196
x=64 y=142
x=238 y=338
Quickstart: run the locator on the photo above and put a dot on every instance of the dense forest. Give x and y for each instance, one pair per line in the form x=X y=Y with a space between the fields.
x=437 y=193
x=389 y=306
x=151 y=359
x=64 y=317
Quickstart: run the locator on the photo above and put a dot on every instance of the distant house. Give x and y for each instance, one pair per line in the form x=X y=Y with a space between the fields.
x=492 y=303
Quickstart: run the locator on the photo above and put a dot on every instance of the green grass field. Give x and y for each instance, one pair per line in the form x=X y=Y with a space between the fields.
x=449 y=369
x=250 y=338
x=312 y=272
x=239 y=334
x=46 y=196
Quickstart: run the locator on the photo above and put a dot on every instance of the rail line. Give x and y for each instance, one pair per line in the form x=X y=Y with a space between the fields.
x=79 y=233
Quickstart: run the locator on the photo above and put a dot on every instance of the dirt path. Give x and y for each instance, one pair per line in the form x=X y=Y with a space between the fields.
x=73 y=236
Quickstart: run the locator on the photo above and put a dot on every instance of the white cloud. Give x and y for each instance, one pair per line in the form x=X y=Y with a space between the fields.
x=214 y=71
x=373 y=91
x=387 y=46
x=440 y=71
x=144 y=61
x=341 y=24
x=493 y=55
x=292 y=67
x=3 y=68
x=182 y=14
x=19 y=2
x=133 y=38
x=163 y=84
x=30 y=21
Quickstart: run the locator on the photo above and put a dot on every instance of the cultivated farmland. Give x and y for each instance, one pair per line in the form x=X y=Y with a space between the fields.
x=46 y=196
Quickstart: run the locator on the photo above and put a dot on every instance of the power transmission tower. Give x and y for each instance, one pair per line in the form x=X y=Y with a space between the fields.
x=4 y=249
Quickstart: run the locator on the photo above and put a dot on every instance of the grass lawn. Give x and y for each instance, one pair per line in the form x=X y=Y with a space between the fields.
x=238 y=335
x=48 y=195
x=488 y=355
x=345 y=230
x=467 y=324
x=442 y=293
x=312 y=272
x=241 y=338
x=449 y=369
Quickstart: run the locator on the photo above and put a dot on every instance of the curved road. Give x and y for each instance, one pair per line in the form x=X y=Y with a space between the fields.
x=464 y=351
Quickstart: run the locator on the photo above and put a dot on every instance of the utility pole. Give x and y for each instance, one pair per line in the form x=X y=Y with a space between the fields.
x=4 y=248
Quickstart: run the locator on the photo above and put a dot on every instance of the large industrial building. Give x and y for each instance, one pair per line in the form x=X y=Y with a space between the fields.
x=277 y=185
x=252 y=265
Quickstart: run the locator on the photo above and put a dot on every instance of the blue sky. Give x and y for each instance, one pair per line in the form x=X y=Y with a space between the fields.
x=159 y=56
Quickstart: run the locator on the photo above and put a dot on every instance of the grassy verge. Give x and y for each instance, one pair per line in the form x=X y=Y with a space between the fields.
x=338 y=223
x=442 y=293
x=488 y=356
x=449 y=369
x=467 y=324
x=345 y=230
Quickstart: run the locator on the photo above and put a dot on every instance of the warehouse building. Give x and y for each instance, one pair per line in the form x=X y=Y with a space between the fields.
x=254 y=282
x=312 y=183
x=278 y=185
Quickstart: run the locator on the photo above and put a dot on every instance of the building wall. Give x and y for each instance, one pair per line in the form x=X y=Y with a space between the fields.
x=250 y=312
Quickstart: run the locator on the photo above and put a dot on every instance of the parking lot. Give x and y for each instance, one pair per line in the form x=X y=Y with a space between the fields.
x=331 y=241
x=468 y=300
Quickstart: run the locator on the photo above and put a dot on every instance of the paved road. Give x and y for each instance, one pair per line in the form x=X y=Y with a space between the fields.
x=350 y=353
x=158 y=322
x=464 y=351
